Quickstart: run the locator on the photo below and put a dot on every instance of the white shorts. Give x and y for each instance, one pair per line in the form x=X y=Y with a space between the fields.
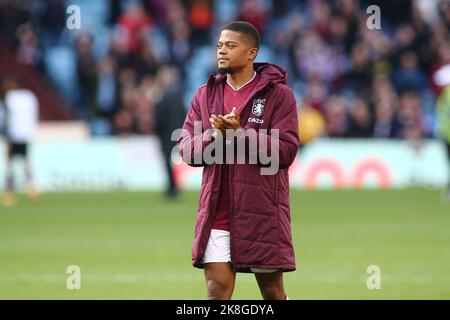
x=218 y=250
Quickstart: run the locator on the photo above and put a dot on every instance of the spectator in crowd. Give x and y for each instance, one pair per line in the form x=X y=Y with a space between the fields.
x=146 y=63
x=326 y=45
x=107 y=88
x=86 y=77
x=386 y=124
x=254 y=12
x=444 y=12
x=410 y=116
x=28 y=51
x=135 y=22
x=180 y=48
x=408 y=74
x=360 y=123
x=53 y=22
x=336 y=117
x=123 y=123
x=12 y=16
x=358 y=78
x=201 y=19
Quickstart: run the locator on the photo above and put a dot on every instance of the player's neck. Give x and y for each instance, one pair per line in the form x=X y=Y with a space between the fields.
x=241 y=77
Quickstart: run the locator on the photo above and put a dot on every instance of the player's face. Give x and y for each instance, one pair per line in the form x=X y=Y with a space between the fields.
x=234 y=51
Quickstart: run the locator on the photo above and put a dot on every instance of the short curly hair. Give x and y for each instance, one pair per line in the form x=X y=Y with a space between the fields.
x=245 y=28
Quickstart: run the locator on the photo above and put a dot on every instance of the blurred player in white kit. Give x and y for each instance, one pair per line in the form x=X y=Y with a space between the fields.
x=21 y=117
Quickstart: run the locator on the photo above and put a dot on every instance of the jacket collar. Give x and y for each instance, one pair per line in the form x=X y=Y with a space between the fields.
x=269 y=74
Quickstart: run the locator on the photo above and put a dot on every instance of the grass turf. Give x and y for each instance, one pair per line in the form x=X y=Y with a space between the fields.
x=137 y=246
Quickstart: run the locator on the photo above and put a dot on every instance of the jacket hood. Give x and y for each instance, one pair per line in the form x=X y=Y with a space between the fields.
x=271 y=72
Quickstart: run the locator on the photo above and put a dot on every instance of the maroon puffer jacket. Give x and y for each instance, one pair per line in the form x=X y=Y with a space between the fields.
x=259 y=204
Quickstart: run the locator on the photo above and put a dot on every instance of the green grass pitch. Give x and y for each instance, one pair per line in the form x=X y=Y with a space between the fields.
x=138 y=246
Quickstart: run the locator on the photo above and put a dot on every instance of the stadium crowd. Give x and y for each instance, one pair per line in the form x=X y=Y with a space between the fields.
x=349 y=80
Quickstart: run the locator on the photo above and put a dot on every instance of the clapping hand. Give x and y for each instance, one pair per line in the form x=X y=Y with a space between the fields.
x=228 y=121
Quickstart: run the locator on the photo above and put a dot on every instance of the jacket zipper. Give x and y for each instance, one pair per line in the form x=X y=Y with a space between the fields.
x=231 y=179
x=231 y=184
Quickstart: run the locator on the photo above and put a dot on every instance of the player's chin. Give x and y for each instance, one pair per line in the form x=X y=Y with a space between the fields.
x=223 y=64
x=224 y=69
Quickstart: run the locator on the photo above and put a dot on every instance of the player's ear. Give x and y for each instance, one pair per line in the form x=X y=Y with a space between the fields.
x=252 y=53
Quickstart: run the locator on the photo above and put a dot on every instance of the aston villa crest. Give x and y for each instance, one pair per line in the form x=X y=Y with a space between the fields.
x=258 y=107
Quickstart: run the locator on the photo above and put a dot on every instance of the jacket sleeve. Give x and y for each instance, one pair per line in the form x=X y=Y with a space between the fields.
x=285 y=141
x=193 y=140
